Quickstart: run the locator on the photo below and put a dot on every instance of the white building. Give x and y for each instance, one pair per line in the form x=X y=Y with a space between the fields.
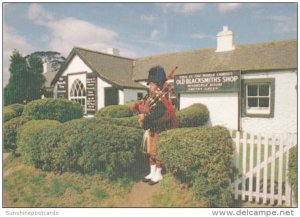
x=249 y=87
x=97 y=79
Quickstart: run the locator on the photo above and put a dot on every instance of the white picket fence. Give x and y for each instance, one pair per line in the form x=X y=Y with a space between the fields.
x=262 y=163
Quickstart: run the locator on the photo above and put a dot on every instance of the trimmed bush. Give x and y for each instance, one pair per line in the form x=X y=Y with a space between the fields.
x=201 y=157
x=293 y=170
x=10 y=131
x=193 y=116
x=61 y=110
x=127 y=122
x=86 y=145
x=18 y=108
x=12 y=111
x=29 y=138
x=9 y=113
x=115 y=111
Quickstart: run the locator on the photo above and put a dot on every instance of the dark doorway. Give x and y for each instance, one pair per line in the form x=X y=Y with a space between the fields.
x=111 y=96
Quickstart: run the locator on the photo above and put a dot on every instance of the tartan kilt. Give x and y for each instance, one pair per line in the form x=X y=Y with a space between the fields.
x=149 y=142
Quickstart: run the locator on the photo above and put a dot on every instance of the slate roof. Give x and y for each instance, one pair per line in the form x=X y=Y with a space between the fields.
x=276 y=55
x=115 y=70
x=123 y=72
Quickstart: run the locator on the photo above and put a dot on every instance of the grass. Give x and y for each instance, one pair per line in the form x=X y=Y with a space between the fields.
x=26 y=186
x=171 y=193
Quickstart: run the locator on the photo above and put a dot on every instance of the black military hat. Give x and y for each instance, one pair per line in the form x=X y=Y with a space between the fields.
x=157 y=75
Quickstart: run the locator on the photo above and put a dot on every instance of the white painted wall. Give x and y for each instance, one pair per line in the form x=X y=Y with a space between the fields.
x=223 y=107
x=76 y=65
x=100 y=91
x=144 y=83
x=131 y=94
x=121 y=97
x=285 y=110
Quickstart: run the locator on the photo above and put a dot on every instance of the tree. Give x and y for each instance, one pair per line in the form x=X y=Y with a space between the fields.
x=35 y=77
x=14 y=91
x=53 y=57
x=26 y=79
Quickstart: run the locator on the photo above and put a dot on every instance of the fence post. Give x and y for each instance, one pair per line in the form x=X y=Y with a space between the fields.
x=251 y=168
x=258 y=162
x=280 y=168
x=272 y=186
x=265 y=180
x=287 y=185
x=237 y=161
x=244 y=166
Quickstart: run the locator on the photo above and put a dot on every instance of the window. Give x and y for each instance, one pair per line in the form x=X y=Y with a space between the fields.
x=78 y=93
x=258 y=97
x=139 y=96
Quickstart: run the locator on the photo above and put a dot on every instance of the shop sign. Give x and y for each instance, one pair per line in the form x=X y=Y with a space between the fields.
x=208 y=82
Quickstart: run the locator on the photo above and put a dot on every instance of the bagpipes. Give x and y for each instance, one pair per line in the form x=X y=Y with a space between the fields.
x=149 y=102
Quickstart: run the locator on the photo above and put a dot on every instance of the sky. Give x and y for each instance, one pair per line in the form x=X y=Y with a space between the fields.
x=139 y=29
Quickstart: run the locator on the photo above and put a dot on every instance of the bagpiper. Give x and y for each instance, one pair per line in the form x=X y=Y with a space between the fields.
x=156 y=114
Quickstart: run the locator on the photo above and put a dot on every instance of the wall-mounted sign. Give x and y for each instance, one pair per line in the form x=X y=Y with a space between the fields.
x=62 y=87
x=208 y=82
x=91 y=90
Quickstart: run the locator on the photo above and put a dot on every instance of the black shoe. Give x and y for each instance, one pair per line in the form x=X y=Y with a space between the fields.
x=153 y=183
x=146 y=180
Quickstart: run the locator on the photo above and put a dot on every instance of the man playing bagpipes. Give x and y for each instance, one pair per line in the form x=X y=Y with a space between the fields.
x=156 y=114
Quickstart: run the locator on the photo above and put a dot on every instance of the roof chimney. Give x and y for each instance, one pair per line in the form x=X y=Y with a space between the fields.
x=113 y=51
x=47 y=66
x=225 y=40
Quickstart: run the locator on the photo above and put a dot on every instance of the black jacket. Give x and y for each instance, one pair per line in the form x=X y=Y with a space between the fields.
x=152 y=121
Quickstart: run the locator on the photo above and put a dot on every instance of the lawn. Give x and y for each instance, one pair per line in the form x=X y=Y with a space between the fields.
x=26 y=186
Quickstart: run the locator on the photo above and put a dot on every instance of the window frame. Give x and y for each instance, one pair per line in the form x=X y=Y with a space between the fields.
x=83 y=95
x=139 y=95
x=259 y=113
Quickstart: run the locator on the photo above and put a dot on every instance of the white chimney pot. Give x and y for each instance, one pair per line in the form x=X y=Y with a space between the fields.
x=113 y=51
x=225 y=40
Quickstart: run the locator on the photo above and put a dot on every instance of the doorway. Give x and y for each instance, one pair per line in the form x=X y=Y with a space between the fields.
x=111 y=96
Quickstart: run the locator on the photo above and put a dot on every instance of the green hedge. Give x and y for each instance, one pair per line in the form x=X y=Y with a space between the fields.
x=127 y=122
x=293 y=170
x=84 y=145
x=115 y=111
x=12 y=111
x=10 y=131
x=203 y=158
x=193 y=116
x=28 y=138
x=61 y=110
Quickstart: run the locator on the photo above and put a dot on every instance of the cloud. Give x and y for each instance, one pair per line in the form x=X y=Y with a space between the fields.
x=284 y=24
x=225 y=7
x=12 y=40
x=38 y=14
x=183 y=8
x=148 y=18
x=154 y=34
x=69 y=31
x=202 y=36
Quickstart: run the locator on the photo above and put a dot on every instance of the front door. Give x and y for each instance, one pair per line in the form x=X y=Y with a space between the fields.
x=111 y=96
